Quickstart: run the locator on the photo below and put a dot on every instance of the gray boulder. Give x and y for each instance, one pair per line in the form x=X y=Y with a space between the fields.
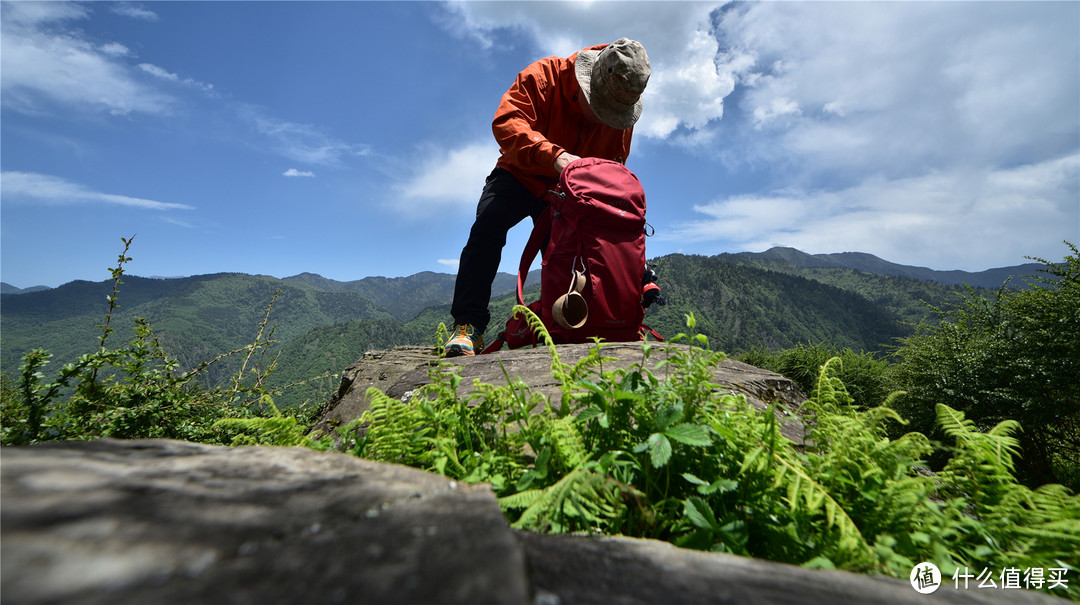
x=172 y=522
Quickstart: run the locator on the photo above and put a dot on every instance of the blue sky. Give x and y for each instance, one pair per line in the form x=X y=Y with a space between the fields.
x=351 y=139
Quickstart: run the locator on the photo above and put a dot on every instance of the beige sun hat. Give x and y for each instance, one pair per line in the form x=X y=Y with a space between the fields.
x=613 y=80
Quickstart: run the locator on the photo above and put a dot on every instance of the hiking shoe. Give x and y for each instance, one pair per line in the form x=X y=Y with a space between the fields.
x=464 y=342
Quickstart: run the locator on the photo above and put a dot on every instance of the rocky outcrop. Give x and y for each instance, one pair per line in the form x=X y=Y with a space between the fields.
x=402 y=370
x=171 y=522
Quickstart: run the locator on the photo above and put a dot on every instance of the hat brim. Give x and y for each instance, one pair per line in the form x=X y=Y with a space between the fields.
x=620 y=120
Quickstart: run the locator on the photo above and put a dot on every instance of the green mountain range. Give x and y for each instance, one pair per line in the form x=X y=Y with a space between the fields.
x=774 y=300
x=788 y=259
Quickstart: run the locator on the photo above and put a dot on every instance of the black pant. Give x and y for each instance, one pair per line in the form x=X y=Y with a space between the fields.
x=505 y=202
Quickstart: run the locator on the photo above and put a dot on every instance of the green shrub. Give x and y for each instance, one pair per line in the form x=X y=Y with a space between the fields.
x=865 y=376
x=132 y=391
x=1016 y=357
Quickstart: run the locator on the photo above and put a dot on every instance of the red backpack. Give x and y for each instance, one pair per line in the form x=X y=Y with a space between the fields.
x=591 y=280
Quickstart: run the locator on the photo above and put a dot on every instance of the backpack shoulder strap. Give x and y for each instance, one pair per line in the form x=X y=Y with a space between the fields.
x=540 y=234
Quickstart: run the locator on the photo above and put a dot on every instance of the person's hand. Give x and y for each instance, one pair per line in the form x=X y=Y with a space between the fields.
x=564 y=159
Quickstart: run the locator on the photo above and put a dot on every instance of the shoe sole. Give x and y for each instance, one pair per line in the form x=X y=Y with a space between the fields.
x=457 y=351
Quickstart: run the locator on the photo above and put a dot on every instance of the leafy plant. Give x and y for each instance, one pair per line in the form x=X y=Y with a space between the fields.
x=993 y=520
x=133 y=391
x=1013 y=357
x=275 y=429
x=865 y=376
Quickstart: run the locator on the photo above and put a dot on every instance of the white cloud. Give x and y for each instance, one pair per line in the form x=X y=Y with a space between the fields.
x=134 y=11
x=115 y=49
x=164 y=74
x=159 y=72
x=295 y=172
x=685 y=89
x=911 y=220
x=448 y=178
x=300 y=142
x=777 y=108
x=688 y=83
x=932 y=133
x=33 y=13
x=449 y=262
x=854 y=87
x=903 y=83
x=922 y=131
x=43 y=67
x=30 y=187
x=179 y=223
x=39 y=64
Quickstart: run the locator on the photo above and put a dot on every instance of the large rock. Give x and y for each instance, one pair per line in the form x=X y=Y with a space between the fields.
x=402 y=370
x=627 y=571
x=166 y=521
x=170 y=522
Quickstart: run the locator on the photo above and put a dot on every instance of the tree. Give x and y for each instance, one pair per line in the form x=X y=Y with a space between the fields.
x=1016 y=356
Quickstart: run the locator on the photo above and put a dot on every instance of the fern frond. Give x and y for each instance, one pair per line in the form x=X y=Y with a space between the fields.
x=753 y=460
x=953 y=422
x=523 y=499
x=997 y=446
x=582 y=498
x=806 y=491
x=397 y=430
x=1004 y=446
x=830 y=394
x=593 y=361
x=891 y=399
x=278 y=430
x=558 y=368
x=569 y=446
x=449 y=449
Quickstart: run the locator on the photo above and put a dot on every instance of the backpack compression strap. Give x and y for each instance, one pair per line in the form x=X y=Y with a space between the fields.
x=495 y=344
x=539 y=237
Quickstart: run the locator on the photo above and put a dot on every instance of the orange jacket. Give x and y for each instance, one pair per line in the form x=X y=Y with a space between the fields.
x=539 y=118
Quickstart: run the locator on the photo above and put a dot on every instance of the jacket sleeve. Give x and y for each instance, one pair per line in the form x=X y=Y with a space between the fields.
x=521 y=120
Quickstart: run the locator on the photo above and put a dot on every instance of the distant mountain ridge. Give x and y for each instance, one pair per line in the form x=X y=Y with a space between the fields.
x=321 y=325
x=868 y=263
x=405 y=297
x=6 y=288
x=396 y=292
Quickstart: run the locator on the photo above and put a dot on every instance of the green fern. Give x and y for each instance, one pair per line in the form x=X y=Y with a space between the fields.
x=986 y=506
x=558 y=369
x=809 y=498
x=569 y=447
x=276 y=430
x=397 y=430
x=593 y=362
x=677 y=458
x=582 y=500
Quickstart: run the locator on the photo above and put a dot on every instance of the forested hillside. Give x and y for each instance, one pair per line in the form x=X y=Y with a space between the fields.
x=195 y=318
x=742 y=307
x=908 y=297
x=737 y=307
x=322 y=325
x=405 y=297
x=785 y=259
